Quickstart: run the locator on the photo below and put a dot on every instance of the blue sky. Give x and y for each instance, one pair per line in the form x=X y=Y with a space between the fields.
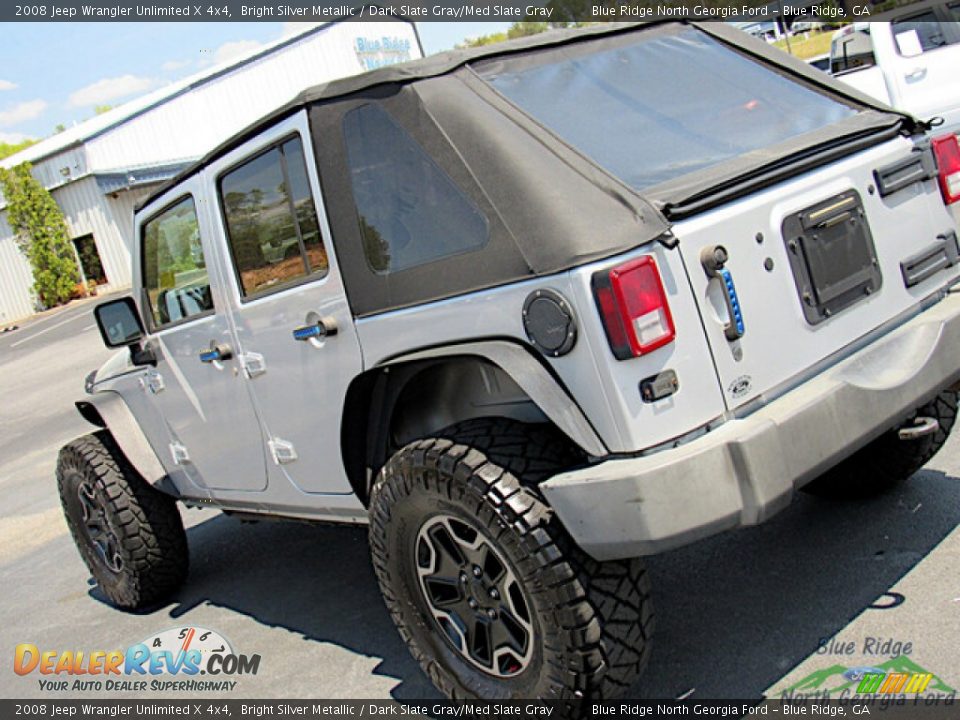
x=53 y=73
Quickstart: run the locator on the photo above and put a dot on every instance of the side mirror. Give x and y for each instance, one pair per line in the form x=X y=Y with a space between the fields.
x=119 y=322
x=120 y=326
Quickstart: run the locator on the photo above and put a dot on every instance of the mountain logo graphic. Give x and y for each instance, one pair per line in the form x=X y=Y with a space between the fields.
x=899 y=674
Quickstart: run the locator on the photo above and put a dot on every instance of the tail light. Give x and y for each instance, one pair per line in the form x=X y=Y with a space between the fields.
x=634 y=308
x=947 y=151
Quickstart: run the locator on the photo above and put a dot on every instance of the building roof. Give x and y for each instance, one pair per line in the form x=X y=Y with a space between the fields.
x=95 y=126
x=133 y=176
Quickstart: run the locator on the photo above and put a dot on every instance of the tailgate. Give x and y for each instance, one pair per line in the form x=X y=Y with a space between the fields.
x=811 y=265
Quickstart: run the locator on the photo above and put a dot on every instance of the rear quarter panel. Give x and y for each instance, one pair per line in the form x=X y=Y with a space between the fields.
x=607 y=390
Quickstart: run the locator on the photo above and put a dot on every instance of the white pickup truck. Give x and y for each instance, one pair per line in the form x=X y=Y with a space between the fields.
x=909 y=60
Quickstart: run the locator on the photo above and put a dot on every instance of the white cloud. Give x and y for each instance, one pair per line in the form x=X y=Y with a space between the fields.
x=234 y=49
x=172 y=65
x=21 y=112
x=7 y=85
x=12 y=138
x=109 y=89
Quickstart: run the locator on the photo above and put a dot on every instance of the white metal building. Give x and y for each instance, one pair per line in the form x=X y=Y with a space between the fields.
x=99 y=169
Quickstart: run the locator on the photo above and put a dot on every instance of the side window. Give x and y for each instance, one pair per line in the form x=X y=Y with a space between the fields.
x=174 y=269
x=409 y=210
x=928 y=30
x=955 y=11
x=852 y=52
x=272 y=227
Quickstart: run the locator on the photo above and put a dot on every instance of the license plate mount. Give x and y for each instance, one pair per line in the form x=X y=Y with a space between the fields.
x=832 y=256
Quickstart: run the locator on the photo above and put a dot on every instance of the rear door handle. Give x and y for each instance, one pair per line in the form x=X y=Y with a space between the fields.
x=324 y=328
x=916 y=73
x=713 y=258
x=216 y=353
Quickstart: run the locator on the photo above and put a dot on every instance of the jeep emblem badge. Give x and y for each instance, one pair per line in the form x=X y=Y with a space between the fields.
x=740 y=386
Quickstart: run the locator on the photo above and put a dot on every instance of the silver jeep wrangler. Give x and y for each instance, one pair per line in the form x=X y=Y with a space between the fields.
x=531 y=312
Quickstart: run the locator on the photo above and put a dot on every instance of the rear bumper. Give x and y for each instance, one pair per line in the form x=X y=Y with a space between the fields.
x=746 y=470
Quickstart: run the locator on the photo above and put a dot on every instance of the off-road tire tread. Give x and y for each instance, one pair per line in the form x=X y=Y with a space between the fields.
x=149 y=526
x=603 y=609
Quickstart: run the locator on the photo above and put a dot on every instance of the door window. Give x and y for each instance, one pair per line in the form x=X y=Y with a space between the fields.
x=852 y=51
x=174 y=268
x=271 y=221
x=928 y=29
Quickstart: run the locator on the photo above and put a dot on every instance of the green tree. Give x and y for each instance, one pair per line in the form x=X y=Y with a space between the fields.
x=41 y=234
x=101 y=109
x=8 y=149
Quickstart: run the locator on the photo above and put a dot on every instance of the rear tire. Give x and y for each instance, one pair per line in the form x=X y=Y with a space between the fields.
x=888 y=461
x=587 y=624
x=129 y=534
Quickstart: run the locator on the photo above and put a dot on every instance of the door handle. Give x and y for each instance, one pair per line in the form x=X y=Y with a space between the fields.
x=916 y=73
x=713 y=259
x=324 y=328
x=216 y=353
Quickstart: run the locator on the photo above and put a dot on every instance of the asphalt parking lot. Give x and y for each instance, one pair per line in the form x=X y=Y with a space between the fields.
x=737 y=615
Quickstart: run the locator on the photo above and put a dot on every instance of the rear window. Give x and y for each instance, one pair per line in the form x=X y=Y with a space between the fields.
x=410 y=211
x=930 y=33
x=662 y=105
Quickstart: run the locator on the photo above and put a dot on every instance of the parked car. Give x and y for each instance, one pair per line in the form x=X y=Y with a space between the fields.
x=909 y=60
x=820 y=62
x=805 y=26
x=557 y=304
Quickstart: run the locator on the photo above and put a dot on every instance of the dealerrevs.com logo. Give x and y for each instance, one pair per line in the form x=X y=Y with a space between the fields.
x=170 y=661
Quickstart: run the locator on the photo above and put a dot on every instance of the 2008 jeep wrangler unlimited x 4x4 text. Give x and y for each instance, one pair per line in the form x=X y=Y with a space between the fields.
x=532 y=312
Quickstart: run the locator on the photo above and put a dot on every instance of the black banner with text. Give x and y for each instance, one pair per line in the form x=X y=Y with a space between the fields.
x=892 y=707
x=552 y=11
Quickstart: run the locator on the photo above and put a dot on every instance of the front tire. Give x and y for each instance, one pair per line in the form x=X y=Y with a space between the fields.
x=129 y=534
x=888 y=461
x=490 y=594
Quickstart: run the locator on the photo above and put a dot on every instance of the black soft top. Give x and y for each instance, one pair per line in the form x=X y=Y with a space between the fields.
x=447 y=62
x=548 y=206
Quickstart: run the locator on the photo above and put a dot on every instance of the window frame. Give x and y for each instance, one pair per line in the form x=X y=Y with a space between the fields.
x=274 y=144
x=947 y=16
x=843 y=42
x=938 y=19
x=151 y=326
